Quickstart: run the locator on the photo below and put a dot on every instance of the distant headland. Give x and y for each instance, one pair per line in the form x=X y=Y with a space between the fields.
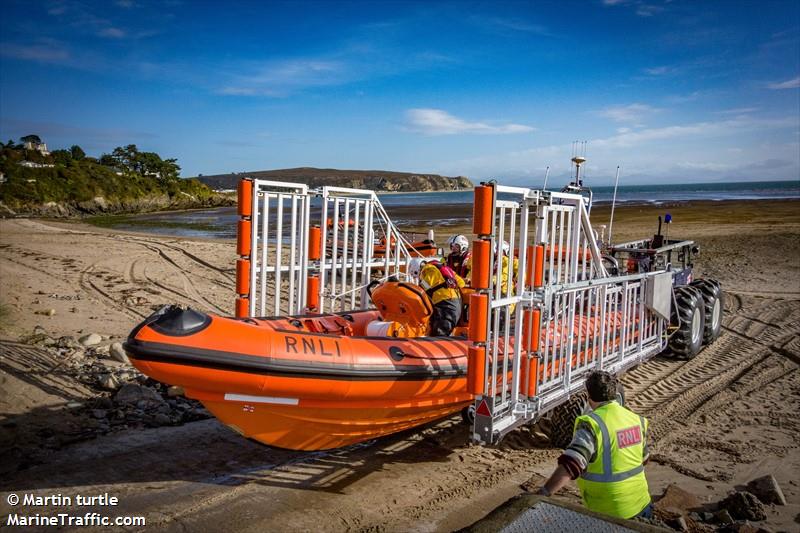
x=35 y=181
x=375 y=180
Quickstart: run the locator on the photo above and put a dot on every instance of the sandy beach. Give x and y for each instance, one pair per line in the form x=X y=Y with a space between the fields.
x=719 y=420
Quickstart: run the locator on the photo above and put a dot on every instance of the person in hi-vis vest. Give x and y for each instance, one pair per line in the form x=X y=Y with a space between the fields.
x=607 y=455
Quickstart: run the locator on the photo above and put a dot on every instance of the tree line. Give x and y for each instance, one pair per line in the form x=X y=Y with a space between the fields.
x=125 y=159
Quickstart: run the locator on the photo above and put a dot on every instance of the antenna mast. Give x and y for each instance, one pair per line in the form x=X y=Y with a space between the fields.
x=546 y=174
x=613 y=203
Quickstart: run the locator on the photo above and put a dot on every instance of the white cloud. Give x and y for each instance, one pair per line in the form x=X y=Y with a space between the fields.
x=279 y=78
x=788 y=84
x=113 y=33
x=632 y=113
x=47 y=52
x=658 y=71
x=648 y=10
x=439 y=122
x=699 y=129
x=519 y=25
x=737 y=111
x=722 y=149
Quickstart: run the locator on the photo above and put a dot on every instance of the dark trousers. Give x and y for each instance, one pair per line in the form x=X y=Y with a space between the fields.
x=646 y=513
x=445 y=317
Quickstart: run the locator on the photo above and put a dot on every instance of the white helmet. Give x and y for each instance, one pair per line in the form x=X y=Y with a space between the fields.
x=504 y=246
x=414 y=266
x=460 y=241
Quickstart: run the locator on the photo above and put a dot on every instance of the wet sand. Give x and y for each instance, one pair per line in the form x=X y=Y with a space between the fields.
x=719 y=420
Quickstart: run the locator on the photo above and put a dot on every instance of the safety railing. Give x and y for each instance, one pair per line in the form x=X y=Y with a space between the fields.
x=546 y=311
x=305 y=250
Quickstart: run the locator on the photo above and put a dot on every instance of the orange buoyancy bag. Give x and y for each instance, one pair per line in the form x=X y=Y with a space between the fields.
x=406 y=306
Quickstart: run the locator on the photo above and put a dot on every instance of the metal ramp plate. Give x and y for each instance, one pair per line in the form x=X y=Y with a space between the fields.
x=532 y=513
x=547 y=517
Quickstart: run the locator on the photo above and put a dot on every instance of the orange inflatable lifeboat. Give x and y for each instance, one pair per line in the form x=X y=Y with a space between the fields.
x=308 y=382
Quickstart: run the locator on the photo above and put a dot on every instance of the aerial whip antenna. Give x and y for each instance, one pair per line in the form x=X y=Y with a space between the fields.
x=546 y=174
x=613 y=203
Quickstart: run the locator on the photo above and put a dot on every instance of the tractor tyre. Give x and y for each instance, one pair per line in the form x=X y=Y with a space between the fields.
x=562 y=420
x=714 y=304
x=468 y=414
x=690 y=317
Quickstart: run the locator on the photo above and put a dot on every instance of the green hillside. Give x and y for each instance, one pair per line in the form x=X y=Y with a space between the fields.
x=68 y=183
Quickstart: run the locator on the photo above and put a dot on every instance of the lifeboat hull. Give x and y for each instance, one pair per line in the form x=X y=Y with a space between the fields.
x=297 y=382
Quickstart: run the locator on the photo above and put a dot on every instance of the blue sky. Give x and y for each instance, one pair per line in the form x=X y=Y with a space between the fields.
x=674 y=91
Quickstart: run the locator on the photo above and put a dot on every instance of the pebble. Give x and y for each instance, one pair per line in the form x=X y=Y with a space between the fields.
x=724 y=517
x=137 y=394
x=67 y=341
x=174 y=391
x=91 y=339
x=108 y=381
x=162 y=419
x=116 y=353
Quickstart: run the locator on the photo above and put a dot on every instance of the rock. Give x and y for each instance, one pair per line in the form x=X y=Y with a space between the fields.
x=744 y=506
x=675 y=499
x=108 y=381
x=67 y=342
x=174 y=391
x=91 y=339
x=101 y=350
x=680 y=524
x=161 y=419
x=116 y=353
x=99 y=413
x=724 y=517
x=103 y=403
x=138 y=394
x=767 y=490
x=39 y=330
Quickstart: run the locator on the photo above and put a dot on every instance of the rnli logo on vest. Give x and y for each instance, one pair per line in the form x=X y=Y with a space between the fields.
x=629 y=437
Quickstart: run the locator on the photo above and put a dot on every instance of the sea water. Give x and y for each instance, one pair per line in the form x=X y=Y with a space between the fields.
x=220 y=223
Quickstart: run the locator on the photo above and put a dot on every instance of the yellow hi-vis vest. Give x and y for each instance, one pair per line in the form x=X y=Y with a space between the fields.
x=614 y=484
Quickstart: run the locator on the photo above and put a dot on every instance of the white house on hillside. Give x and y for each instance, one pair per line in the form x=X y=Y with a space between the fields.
x=38 y=146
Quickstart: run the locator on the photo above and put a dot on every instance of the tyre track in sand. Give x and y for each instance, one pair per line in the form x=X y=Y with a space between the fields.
x=92 y=289
x=669 y=391
x=183 y=287
x=222 y=277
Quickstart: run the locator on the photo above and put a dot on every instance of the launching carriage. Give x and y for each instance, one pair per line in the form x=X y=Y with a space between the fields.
x=330 y=343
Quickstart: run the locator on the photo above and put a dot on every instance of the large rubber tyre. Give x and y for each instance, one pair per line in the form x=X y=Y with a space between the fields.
x=690 y=317
x=468 y=414
x=714 y=304
x=562 y=420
